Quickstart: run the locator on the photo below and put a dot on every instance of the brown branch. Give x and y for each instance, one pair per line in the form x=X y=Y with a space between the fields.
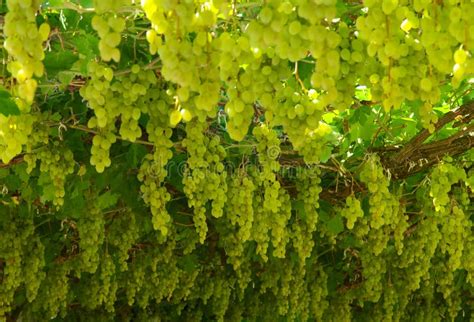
x=464 y=114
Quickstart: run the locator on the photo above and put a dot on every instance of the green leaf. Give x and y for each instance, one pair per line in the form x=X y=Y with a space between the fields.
x=107 y=200
x=298 y=206
x=7 y=105
x=335 y=225
x=135 y=155
x=59 y=60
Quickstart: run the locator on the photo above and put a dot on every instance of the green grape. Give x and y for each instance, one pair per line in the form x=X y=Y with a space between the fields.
x=123 y=233
x=91 y=234
x=24 y=43
x=352 y=211
x=204 y=178
x=239 y=207
x=111 y=99
x=444 y=175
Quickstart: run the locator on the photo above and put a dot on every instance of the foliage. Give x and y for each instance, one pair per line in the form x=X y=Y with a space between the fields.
x=168 y=160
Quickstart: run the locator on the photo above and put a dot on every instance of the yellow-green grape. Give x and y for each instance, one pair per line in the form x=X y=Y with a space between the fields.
x=52 y=298
x=15 y=235
x=122 y=233
x=109 y=27
x=58 y=163
x=455 y=229
x=152 y=175
x=34 y=264
x=91 y=236
x=410 y=54
x=468 y=259
x=419 y=249
x=109 y=286
x=317 y=289
x=352 y=211
x=400 y=229
x=239 y=207
x=111 y=98
x=444 y=175
x=204 y=178
x=100 y=150
x=279 y=221
x=24 y=43
x=15 y=132
x=381 y=200
x=191 y=64
x=268 y=148
x=261 y=226
x=373 y=270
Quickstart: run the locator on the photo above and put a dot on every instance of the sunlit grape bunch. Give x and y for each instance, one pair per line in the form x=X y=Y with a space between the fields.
x=24 y=42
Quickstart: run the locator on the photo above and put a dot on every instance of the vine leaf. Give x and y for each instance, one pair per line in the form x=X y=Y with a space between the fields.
x=7 y=105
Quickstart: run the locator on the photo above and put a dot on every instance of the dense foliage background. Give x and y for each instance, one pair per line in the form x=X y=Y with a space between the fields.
x=231 y=160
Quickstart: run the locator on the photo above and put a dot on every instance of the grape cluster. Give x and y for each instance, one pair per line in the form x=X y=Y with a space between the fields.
x=24 y=42
x=53 y=295
x=308 y=186
x=191 y=63
x=91 y=233
x=239 y=206
x=352 y=211
x=414 y=52
x=109 y=27
x=268 y=149
x=444 y=175
x=34 y=264
x=205 y=178
x=278 y=224
x=122 y=233
x=15 y=236
x=109 y=286
x=381 y=200
x=16 y=132
x=124 y=98
x=57 y=162
x=455 y=229
x=261 y=226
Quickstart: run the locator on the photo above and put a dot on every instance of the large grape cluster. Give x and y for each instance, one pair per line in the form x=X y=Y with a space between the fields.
x=57 y=162
x=191 y=64
x=13 y=239
x=444 y=175
x=414 y=52
x=91 y=234
x=122 y=233
x=205 y=178
x=239 y=206
x=24 y=42
x=110 y=100
x=109 y=26
x=15 y=132
x=381 y=200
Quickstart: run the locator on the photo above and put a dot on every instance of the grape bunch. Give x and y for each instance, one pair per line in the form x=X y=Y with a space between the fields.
x=123 y=98
x=16 y=132
x=57 y=162
x=205 y=178
x=123 y=233
x=239 y=206
x=381 y=200
x=352 y=211
x=91 y=236
x=192 y=64
x=109 y=27
x=24 y=42
x=444 y=175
